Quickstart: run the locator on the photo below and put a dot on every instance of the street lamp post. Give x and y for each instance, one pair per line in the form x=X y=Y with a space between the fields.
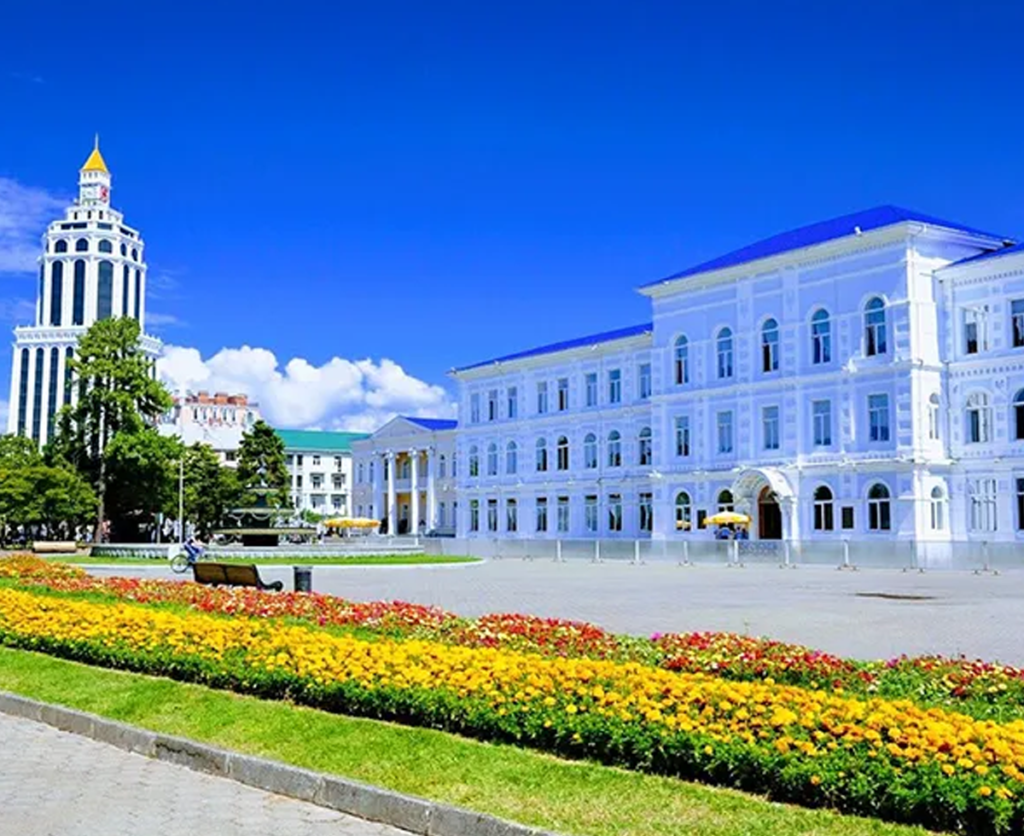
x=181 y=501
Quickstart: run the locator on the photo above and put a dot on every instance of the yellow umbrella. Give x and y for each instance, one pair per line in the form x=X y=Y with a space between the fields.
x=727 y=517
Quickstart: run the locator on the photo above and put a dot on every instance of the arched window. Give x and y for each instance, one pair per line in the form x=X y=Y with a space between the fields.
x=590 y=451
x=55 y=387
x=61 y=246
x=138 y=308
x=979 y=419
x=645 y=454
x=511 y=458
x=105 y=288
x=682 y=361
x=82 y=245
x=725 y=501
x=135 y=254
x=23 y=375
x=874 y=327
x=563 y=453
x=724 y=344
x=78 y=308
x=56 y=291
x=938 y=507
x=684 y=511
x=1018 y=415
x=492 y=459
x=105 y=246
x=442 y=466
x=770 y=346
x=879 y=514
x=934 y=419
x=614 y=449
x=821 y=337
x=474 y=461
x=824 y=519
x=542 y=454
x=404 y=470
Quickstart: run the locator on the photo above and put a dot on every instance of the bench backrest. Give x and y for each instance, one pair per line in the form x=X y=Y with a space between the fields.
x=241 y=575
x=203 y=572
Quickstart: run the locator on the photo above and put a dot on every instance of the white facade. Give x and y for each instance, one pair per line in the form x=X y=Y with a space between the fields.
x=92 y=268
x=817 y=381
x=218 y=421
x=406 y=472
x=320 y=468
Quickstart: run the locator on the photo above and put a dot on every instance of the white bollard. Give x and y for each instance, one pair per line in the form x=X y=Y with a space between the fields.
x=636 y=551
x=558 y=551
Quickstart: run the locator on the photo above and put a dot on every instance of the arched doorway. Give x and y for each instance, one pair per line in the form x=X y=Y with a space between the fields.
x=769 y=515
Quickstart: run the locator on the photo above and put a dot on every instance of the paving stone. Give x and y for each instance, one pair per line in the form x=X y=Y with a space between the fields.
x=59 y=784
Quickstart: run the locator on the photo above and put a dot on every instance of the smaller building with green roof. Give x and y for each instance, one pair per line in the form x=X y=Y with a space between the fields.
x=320 y=466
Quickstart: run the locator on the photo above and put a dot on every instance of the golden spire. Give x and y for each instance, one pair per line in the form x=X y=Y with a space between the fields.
x=95 y=161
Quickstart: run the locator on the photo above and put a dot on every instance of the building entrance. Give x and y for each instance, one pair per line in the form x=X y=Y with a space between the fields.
x=769 y=516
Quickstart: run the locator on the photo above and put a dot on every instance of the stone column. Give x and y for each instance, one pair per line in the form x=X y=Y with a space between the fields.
x=431 y=491
x=414 y=491
x=392 y=510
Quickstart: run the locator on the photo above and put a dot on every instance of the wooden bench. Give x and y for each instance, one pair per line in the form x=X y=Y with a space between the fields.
x=227 y=574
x=55 y=547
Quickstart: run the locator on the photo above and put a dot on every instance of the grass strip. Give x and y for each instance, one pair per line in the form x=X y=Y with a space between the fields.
x=582 y=799
x=290 y=560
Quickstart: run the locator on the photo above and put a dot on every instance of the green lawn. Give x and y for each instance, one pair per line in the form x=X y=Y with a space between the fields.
x=288 y=560
x=571 y=798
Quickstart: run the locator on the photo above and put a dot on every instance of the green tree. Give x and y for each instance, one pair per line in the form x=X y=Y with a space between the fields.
x=210 y=489
x=141 y=479
x=117 y=394
x=261 y=463
x=33 y=494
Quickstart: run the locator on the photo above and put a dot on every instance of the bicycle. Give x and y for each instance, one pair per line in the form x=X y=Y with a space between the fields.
x=183 y=560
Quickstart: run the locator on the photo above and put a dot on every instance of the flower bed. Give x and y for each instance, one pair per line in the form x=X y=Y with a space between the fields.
x=980 y=688
x=878 y=757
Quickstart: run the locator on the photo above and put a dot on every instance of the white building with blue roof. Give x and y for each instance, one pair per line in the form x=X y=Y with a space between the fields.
x=857 y=378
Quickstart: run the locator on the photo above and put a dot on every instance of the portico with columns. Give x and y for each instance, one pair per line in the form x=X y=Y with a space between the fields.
x=404 y=476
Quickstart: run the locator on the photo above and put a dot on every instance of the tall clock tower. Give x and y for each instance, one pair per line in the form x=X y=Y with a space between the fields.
x=91 y=268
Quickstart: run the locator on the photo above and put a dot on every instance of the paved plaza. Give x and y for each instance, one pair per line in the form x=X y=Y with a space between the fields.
x=950 y=612
x=60 y=784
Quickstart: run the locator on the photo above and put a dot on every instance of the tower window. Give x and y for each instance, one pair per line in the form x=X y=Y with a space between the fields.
x=106 y=247
x=82 y=245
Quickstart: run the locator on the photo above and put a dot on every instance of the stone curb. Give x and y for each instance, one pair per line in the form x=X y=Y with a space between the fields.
x=416 y=815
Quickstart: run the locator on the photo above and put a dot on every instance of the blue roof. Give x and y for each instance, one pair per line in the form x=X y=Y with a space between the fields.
x=433 y=424
x=593 y=339
x=990 y=254
x=819 y=233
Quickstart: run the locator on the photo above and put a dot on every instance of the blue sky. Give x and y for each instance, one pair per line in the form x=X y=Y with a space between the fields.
x=435 y=184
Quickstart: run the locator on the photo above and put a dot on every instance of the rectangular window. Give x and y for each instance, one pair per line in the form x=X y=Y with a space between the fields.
x=683 y=435
x=1020 y=504
x=563 y=394
x=441 y=509
x=983 y=504
x=492 y=405
x=542 y=397
x=513 y=402
x=492 y=515
x=474 y=408
x=615 y=386
x=590 y=512
x=542 y=513
x=725 y=432
x=646 y=511
x=847 y=515
x=645 y=381
x=822 y=414
x=1017 y=313
x=615 y=512
x=976 y=329
x=823 y=520
x=591 y=387
x=770 y=427
x=878 y=417
x=511 y=515
x=474 y=515
x=563 y=514
x=316 y=461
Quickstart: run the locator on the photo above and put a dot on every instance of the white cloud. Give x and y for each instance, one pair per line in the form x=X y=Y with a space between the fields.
x=24 y=214
x=358 y=395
